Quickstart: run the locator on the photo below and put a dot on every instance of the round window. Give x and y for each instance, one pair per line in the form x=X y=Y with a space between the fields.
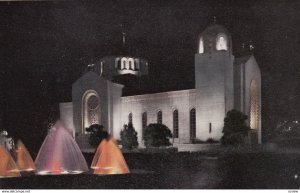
x=93 y=102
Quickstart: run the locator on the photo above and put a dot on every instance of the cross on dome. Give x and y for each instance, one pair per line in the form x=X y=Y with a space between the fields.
x=124 y=38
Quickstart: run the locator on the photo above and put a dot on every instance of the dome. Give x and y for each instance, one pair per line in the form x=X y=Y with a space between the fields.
x=215 y=29
x=214 y=38
x=115 y=65
x=122 y=63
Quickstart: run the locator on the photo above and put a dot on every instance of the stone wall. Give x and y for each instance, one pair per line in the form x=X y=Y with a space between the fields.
x=197 y=147
x=252 y=72
x=214 y=88
x=66 y=116
x=166 y=102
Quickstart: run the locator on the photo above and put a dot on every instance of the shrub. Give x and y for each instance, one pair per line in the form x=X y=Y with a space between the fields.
x=129 y=139
x=97 y=134
x=211 y=140
x=156 y=135
x=235 y=128
x=197 y=141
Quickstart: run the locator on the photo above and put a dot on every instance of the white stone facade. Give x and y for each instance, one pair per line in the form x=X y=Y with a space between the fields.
x=167 y=103
x=222 y=83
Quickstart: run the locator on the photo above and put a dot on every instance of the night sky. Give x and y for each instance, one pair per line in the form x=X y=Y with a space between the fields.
x=45 y=47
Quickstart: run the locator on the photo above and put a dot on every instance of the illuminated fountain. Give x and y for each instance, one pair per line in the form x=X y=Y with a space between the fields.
x=8 y=167
x=24 y=160
x=60 y=154
x=109 y=159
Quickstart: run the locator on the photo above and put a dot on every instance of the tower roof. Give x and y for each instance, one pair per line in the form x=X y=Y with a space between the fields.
x=215 y=29
x=215 y=38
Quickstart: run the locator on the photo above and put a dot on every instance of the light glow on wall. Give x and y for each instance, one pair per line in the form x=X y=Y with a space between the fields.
x=254 y=106
x=221 y=43
x=201 y=46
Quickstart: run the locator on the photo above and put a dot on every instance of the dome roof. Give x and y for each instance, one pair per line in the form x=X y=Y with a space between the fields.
x=215 y=38
x=215 y=29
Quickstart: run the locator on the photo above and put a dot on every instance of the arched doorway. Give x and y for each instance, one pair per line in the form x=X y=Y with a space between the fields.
x=90 y=110
x=254 y=106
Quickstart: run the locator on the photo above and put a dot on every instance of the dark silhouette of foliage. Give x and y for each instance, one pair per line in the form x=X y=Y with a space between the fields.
x=129 y=139
x=156 y=135
x=211 y=140
x=235 y=128
x=97 y=134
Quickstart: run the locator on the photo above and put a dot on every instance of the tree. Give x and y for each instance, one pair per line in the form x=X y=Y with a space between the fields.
x=156 y=135
x=129 y=137
x=235 y=128
x=97 y=134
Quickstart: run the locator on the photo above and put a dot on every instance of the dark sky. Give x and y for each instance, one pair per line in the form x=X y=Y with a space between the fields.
x=45 y=47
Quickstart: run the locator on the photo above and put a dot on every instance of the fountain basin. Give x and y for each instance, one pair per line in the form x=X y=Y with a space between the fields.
x=137 y=179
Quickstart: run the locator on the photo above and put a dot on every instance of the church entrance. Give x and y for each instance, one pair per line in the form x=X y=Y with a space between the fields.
x=90 y=110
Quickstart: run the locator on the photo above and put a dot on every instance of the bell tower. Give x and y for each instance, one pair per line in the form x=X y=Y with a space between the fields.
x=213 y=81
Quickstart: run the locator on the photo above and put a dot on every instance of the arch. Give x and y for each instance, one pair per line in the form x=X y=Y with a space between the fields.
x=159 y=117
x=201 y=46
x=175 y=124
x=119 y=64
x=130 y=63
x=192 y=123
x=130 y=118
x=221 y=42
x=254 y=105
x=144 y=122
x=124 y=63
x=90 y=109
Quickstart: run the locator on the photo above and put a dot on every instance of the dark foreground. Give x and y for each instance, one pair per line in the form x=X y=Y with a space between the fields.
x=82 y=181
x=182 y=170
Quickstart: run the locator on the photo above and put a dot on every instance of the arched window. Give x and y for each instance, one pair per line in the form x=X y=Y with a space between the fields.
x=144 y=123
x=254 y=106
x=159 y=117
x=123 y=63
x=192 y=123
x=201 y=46
x=119 y=64
x=221 y=42
x=130 y=64
x=130 y=118
x=91 y=109
x=175 y=124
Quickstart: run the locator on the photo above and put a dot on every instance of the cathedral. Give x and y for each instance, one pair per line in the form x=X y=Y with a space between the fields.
x=222 y=82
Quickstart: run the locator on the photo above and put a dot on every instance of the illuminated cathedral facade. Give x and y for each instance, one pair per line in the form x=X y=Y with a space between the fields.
x=222 y=82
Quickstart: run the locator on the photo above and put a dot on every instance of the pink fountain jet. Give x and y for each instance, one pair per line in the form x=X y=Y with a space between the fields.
x=60 y=154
